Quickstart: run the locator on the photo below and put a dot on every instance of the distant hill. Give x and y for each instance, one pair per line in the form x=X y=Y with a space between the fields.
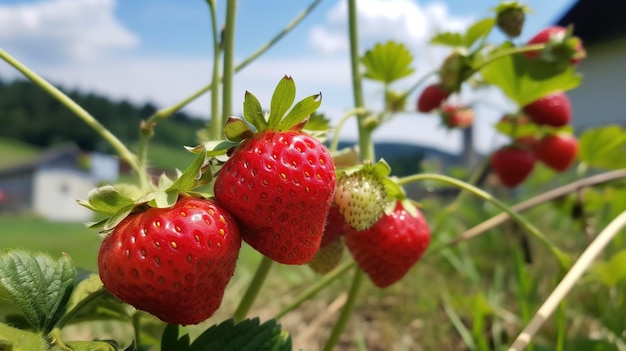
x=29 y=114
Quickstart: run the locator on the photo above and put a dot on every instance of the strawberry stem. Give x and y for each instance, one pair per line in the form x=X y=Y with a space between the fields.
x=366 y=146
x=253 y=289
x=353 y=112
x=342 y=321
x=216 y=124
x=228 y=45
x=529 y=227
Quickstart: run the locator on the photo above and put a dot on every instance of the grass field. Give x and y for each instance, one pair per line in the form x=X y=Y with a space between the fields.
x=13 y=152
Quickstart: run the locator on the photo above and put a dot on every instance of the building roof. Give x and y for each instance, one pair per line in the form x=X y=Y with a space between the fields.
x=596 y=20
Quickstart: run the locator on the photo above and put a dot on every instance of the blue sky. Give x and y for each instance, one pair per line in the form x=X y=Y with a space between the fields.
x=160 y=50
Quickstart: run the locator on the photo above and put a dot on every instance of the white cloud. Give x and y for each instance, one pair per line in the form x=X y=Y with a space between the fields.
x=381 y=20
x=66 y=30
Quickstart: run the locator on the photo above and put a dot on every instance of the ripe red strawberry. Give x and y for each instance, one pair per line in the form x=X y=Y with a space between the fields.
x=560 y=45
x=387 y=250
x=331 y=247
x=172 y=262
x=457 y=116
x=279 y=186
x=431 y=98
x=557 y=151
x=553 y=109
x=512 y=165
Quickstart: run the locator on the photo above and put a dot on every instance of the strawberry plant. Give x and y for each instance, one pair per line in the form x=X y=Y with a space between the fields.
x=269 y=179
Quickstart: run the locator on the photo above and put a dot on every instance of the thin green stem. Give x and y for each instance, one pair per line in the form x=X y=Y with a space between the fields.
x=80 y=305
x=217 y=123
x=355 y=111
x=346 y=311
x=366 y=146
x=253 y=289
x=420 y=82
x=523 y=222
x=164 y=113
x=504 y=53
x=317 y=287
x=229 y=55
x=137 y=329
x=117 y=145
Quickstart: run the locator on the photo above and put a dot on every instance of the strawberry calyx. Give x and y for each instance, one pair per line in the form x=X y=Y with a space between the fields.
x=283 y=114
x=114 y=202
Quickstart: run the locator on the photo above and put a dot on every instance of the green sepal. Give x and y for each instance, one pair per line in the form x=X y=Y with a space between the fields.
x=39 y=286
x=387 y=62
x=253 y=112
x=116 y=218
x=381 y=169
x=410 y=206
x=603 y=147
x=236 y=129
x=198 y=173
x=298 y=116
x=13 y=339
x=511 y=5
x=106 y=199
x=283 y=97
x=525 y=80
x=216 y=148
x=248 y=335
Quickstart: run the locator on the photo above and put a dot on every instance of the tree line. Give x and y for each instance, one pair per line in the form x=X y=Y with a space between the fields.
x=29 y=114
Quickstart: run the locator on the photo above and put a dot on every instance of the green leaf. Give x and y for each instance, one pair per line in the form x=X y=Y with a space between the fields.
x=282 y=99
x=106 y=199
x=248 y=335
x=12 y=339
x=300 y=112
x=524 y=80
x=38 y=286
x=115 y=219
x=236 y=129
x=92 y=346
x=193 y=176
x=448 y=39
x=253 y=112
x=387 y=62
x=610 y=273
x=477 y=31
x=603 y=147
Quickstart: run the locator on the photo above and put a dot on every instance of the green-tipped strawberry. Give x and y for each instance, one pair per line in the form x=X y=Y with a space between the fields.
x=388 y=249
x=331 y=247
x=279 y=181
x=510 y=17
x=361 y=195
x=453 y=116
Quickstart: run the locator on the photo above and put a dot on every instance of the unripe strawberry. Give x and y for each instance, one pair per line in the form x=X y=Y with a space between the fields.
x=510 y=18
x=453 y=71
x=561 y=45
x=361 y=198
x=331 y=247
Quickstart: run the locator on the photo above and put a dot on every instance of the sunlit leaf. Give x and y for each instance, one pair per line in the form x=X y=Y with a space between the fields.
x=524 y=80
x=387 y=62
x=603 y=147
x=300 y=112
x=477 y=31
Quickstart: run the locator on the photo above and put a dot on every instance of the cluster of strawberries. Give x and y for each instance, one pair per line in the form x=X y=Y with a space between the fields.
x=551 y=142
x=279 y=191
